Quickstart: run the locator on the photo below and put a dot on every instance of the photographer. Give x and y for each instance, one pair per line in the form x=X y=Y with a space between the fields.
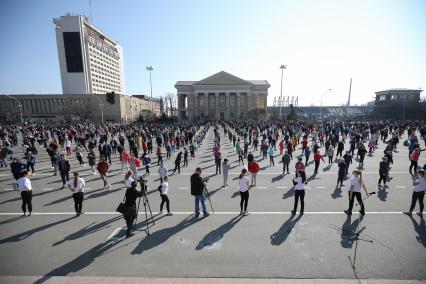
x=299 y=183
x=197 y=190
x=131 y=194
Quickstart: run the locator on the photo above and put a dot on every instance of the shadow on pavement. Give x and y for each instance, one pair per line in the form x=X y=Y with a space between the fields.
x=26 y=234
x=284 y=231
x=217 y=234
x=89 y=229
x=158 y=237
x=80 y=262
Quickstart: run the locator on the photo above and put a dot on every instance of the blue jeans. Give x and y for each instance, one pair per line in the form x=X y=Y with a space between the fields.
x=201 y=198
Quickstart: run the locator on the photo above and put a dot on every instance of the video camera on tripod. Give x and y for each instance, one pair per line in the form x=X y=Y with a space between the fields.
x=142 y=181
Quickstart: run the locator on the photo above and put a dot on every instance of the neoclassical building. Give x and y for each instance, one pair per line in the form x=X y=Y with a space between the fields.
x=221 y=96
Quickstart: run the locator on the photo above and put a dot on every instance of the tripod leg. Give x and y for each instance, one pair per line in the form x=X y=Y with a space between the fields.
x=137 y=213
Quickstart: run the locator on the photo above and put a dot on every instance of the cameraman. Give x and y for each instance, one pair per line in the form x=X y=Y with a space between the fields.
x=131 y=194
x=197 y=190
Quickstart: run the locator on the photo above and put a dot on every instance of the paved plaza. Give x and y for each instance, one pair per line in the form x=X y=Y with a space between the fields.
x=268 y=243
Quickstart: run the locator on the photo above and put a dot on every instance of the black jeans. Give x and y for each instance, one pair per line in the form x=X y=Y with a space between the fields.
x=285 y=166
x=420 y=196
x=177 y=167
x=27 y=197
x=271 y=160
x=382 y=177
x=340 y=178
x=165 y=199
x=244 y=200
x=218 y=168
x=358 y=198
x=160 y=159
x=78 y=201
x=129 y=223
x=413 y=164
x=65 y=176
x=299 y=194
x=30 y=166
x=317 y=163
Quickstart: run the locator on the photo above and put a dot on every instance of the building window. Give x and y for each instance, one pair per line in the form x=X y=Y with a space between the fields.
x=395 y=97
x=382 y=98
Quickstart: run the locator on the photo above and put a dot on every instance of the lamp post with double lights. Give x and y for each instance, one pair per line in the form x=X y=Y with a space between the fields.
x=150 y=69
x=19 y=106
x=329 y=90
x=282 y=67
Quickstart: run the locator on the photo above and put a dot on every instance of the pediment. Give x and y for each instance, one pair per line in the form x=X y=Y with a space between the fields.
x=223 y=78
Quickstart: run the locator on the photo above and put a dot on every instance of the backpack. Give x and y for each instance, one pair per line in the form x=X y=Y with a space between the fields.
x=137 y=163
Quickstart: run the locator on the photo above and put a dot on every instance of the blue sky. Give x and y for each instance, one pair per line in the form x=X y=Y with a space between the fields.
x=380 y=44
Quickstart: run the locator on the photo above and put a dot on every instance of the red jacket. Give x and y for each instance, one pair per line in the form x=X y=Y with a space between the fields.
x=253 y=167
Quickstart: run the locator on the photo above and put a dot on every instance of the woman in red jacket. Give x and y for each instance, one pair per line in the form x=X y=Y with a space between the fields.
x=253 y=167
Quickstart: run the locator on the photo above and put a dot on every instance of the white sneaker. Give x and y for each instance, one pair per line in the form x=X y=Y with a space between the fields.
x=246 y=213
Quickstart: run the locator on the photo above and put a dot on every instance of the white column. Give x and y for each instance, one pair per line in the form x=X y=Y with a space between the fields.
x=237 y=101
x=227 y=106
x=216 y=100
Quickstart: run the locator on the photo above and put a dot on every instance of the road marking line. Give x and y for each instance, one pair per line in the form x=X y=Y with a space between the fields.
x=112 y=236
x=320 y=187
x=282 y=187
x=401 y=186
x=212 y=173
x=8 y=189
x=47 y=189
x=183 y=187
x=215 y=213
x=261 y=187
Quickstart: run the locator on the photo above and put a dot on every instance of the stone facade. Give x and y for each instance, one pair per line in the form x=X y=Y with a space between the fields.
x=221 y=96
x=71 y=107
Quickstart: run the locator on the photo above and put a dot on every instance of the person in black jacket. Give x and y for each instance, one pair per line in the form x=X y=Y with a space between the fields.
x=64 y=169
x=131 y=195
x=383 y=172
x=197 y=190
x=177 y=162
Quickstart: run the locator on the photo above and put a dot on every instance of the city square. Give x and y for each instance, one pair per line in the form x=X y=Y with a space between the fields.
x=270 y=241
x=212 y=142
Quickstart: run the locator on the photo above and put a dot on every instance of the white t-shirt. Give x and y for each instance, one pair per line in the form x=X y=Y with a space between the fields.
x=78 y=188
x=165 y=188
x=421 y=186
x=299 y=184
x=243 y=184
x=24 y=184
x=128 y=182
x=162 y=171
x=355 y=184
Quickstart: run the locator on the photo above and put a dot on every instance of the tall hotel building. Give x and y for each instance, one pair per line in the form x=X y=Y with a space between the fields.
x=90 y=61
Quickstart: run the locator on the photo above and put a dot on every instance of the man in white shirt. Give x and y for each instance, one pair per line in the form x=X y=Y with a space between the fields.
x=76 y=186
x=162 y=171
x=26 y=190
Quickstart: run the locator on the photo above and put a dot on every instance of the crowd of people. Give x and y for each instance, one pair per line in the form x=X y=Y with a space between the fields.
x=135 y=145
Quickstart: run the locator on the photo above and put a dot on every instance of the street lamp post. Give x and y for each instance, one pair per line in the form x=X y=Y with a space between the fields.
x=19 y=106
x=321 y=101
x=282 y=67
x=150 y=69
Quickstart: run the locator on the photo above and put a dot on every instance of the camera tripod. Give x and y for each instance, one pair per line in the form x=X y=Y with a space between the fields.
x=147 y=208
x=208 y=195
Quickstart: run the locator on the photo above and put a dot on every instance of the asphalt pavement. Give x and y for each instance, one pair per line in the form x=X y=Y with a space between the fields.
x=268 y=243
